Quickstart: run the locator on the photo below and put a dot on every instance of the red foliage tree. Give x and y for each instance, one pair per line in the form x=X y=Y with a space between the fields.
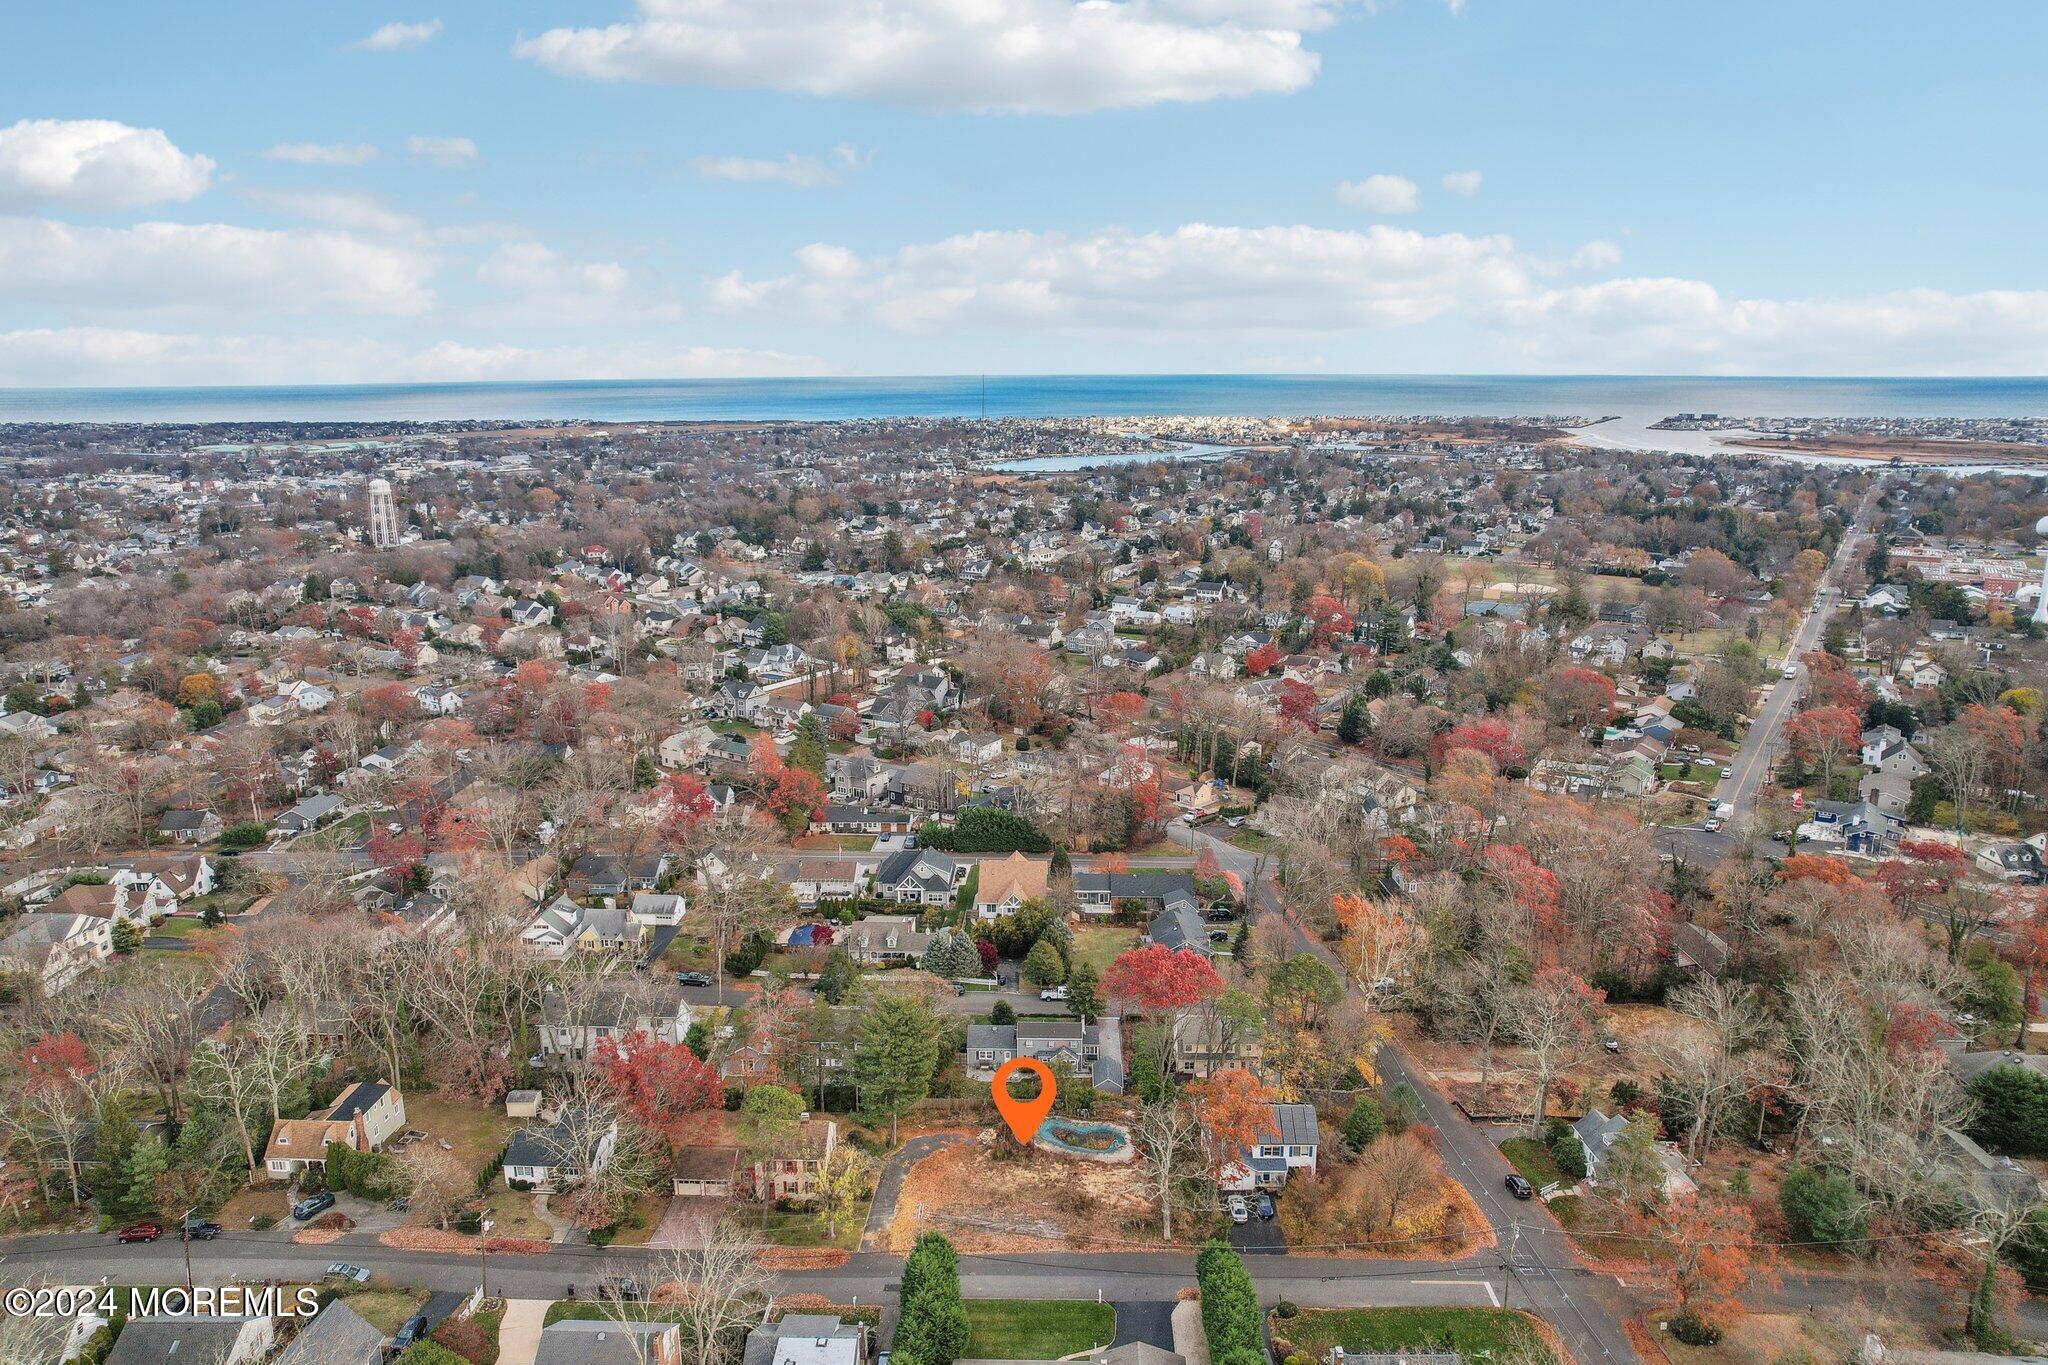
x=1823 y=736
x=1259 y=662
x=1490 y=736
x=1298 y=703
x=1159 y=979
x=658 y=1083
x=1329 y=618
x=684 y=803
x=1576 y=697
x=1119 y=711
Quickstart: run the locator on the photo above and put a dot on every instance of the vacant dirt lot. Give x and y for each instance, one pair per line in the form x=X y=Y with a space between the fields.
x=1029 y=1201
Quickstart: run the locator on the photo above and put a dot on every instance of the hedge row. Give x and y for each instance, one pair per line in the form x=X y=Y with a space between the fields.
x=1230 y=1307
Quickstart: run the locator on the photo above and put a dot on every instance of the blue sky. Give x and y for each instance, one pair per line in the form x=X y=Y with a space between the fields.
x=238 y=193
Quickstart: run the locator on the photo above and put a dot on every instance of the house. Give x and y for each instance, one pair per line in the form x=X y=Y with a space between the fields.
x=1082 y=1049
x=189 y=826
x=656 y=908
x=614 y=874
x=1853 y=826
x=1697 y=950
x=139 y=901
x=178 y=1340
x=919 y=876
x=1006 y=883
x=547 y=1155
x=362 y=1118
x=1100 y=893
x=1597 y=1134
x=1178 y=928
x=185 y=876
x=857 y=820
x=2010 y=862
x=1204 y=1042
x=604 y=1342
x=980 y=746
x=56 y=949
x=883 y=939
x=1289 y=1143
x=816 y=879
x=562 y=926
x=807 y=1339
x=573 y=1026
x=339 y=1336
x=712 y=1161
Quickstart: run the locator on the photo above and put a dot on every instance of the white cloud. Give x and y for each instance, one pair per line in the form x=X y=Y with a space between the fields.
x=1687 y=326
x=804 y=172
x=441 y=151
x=322 y=153
x=1381 y=194
x=540 y=285
x=1462 y=182
x=95 y=164
x=396 y=37
x=1597 y=255
x=985 y=56
x=99 y=355
x=1310 y=290
x=207 y=266
x=1274 y=279
x=337 y=208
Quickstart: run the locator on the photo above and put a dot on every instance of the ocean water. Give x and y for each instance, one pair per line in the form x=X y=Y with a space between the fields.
x=1637 y=400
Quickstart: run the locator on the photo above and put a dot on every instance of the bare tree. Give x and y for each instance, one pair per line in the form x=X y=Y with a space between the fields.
x=719 y=1289
x=1170 y=1154
x=1717 y=1064
x=1552 y=1017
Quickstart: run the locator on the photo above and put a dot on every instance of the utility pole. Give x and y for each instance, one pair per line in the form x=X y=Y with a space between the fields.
x=1507 y=1280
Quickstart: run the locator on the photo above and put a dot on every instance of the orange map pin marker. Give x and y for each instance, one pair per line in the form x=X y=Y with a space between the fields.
x=1023 y=1116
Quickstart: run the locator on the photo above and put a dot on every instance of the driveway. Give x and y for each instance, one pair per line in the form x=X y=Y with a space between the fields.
x=889 y=1187
x=1258 y=1236
x=687 y=1224
x=519 y=1332
x=1150 y=1321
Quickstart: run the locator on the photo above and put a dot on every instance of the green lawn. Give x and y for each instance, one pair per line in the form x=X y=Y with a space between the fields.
x=1099 y=944
x=1036 y=1329
x=1532 y=1159
x=805 y=1229
x=583 y=1310
x=176 y=928
x=1471 y=1332
x=1247 y=838
x=342 y=835
x=387 y=1309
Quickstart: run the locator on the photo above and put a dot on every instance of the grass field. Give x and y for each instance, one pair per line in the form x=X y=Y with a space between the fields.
x=805 y=1229
x=1472 y=1332
x=387 y=1309
x=1099 y=944
x=1532 y=1159
x=1036 y=1329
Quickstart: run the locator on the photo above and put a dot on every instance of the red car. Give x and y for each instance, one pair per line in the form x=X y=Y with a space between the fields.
x=139 y=1232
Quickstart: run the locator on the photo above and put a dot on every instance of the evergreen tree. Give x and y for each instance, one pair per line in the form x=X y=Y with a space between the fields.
x=835 y=979
x=1084 y=995
x=898 y=1052
x=1043 y=965
x=1356 y=721
x=114 y=1139
x=127 y=938
x=145 y=1166
x=1364 y=1124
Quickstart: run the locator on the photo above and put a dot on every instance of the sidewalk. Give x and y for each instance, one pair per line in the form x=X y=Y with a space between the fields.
x=519 y=1332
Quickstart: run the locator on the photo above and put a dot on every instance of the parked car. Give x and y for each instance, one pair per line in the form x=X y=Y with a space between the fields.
x=140 y=1232
x=620 y=1289
x=1219 y=914
x=1520 y=1188
x=349 y=1272
x=1265 y=1205
x=1611 y=1044
x=1053 y=993
x=199 y=1230
x=311 y=1205
x=1239 y=1213
x=694 y=979
x=1726 y=772
x=1790 y=672
x=415 y=1328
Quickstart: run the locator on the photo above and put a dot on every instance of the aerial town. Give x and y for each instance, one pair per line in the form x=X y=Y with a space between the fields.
x=564 y=893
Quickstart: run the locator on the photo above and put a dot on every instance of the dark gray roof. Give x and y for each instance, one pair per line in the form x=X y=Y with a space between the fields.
x=175 y=1341
x=1297 y=1124
x=339 y=1336
x=1178 y=928
x=359 y=1099
x=595 y=1343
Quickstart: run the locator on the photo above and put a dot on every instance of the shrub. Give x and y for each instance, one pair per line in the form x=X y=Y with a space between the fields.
x=1569 y=1154
x=245 y=834
x=467 y=1338
x=429 y=1352
x=1364 y=1124
x=983 y=829
x=1230 y=1307
x=1821 y=1205
x=2012 y=1111
x=746 y=959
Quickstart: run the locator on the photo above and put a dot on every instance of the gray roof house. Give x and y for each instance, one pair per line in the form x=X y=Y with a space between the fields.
x=609 y=1343
x=807 y=1339
x=1099 y=892
x=1094 y=1050
x=339 y=1336
x=178 y=1341
x=1178 y=928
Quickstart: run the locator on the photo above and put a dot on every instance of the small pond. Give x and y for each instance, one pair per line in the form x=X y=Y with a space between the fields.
x=1094 y=1141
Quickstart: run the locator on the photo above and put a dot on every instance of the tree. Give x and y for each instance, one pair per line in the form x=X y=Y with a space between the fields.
x=771 y=1126
x=898 y=1053
x=1169 y=1141
x=658 y=1084
x=843 y=1180
x=836 y=977
x=1043 y=965
x=1297 y=703
x=1822 y=1205
x=1714 y=1252
x=1236 y=1109
x=2012 y=1110
x=1711 y=1067
x=931 y=1325
x=1364 y=1125
x=1823 y=736
x=716 y=1292
x=1261 y=661
x=437 y=1184
x=952 y=955
x=1162 y=982
x=127 y=939
x=1553 y=1018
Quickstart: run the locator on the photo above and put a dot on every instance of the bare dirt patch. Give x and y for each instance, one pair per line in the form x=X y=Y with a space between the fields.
x=460 y=1244
x=1028 y=1201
